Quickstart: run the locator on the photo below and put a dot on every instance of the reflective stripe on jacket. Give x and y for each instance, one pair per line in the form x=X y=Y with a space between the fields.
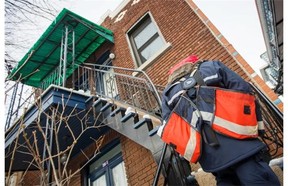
x=185 y=139
x=222 y=77
x=182 y=129
x=231 y=113
x=214 y=74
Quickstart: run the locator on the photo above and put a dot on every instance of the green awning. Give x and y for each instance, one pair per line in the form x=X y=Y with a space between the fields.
x=44 y=57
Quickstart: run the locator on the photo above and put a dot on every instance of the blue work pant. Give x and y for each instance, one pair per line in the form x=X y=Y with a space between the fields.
x=249 y=172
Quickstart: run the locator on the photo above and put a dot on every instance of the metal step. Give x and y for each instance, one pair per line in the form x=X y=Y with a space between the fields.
x=131 y=122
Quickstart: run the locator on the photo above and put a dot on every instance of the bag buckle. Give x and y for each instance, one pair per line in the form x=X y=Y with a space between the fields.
x=189 y=83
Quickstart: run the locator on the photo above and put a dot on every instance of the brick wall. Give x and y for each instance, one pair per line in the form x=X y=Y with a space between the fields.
x=80 y=160
x=189 y=31
x=30 y=178
x=139 y=163
x=182 y=28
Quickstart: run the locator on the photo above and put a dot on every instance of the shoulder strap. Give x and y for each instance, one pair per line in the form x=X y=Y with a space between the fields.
x=207 y=132
x=196 y=74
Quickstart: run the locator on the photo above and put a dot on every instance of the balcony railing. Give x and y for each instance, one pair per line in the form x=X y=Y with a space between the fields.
x=20 y=98
x=108 y=82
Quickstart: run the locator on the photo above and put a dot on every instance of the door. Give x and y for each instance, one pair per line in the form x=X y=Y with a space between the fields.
x=109 y=81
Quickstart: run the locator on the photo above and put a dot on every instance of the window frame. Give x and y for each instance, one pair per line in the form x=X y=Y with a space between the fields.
x=90 y=176
x=135 y=29
x=107 y=170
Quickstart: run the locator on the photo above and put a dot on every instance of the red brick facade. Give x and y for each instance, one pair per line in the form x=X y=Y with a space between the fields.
x=139 y=163
x=188 y=31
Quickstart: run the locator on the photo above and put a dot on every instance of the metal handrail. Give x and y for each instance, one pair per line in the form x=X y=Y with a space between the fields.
x=139 y=92
x=133 y=70
x=273 y=120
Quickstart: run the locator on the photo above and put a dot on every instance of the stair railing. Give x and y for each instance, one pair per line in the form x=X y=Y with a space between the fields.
x=273 y=121
x=118 y=83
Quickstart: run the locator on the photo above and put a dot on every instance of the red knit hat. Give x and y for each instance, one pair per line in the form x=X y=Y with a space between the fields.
x=189 y=59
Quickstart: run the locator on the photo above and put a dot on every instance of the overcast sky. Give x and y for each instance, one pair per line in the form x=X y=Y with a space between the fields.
x=238 y=22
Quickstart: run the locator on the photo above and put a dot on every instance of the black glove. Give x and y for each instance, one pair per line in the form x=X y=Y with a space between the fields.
x=261 y=133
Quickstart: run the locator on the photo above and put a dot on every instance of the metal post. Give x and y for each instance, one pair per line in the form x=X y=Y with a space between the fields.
x=51 y=145
x=61 y=60
x=65 y=57
x=156 y=178
x=19 y=101
x=73 y=59
x=49 y=134
x=11 y=106
x=78 y=77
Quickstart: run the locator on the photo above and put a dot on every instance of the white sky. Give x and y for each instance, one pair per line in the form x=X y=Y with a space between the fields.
x=91 y=9
x=238 y=22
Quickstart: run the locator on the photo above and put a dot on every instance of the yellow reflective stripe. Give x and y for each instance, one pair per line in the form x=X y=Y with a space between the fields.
x=191 y=145
x=261 y=125
x=193 y=72
x=236 y=128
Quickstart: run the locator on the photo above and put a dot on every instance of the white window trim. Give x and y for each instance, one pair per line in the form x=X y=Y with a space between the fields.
x=147 y=63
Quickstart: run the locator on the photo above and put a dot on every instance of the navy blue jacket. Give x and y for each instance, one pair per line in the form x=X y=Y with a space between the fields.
x=230 y=150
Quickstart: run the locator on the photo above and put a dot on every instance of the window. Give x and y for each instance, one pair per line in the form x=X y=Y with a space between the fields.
x=109 y=169
x=145 y=39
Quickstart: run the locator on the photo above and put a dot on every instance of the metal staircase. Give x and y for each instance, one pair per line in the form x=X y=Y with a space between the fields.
x=131 y=106
x=128 y=104
x=127 y=101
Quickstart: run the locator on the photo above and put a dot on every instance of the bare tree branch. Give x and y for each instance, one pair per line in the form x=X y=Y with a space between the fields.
x=20 y=20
